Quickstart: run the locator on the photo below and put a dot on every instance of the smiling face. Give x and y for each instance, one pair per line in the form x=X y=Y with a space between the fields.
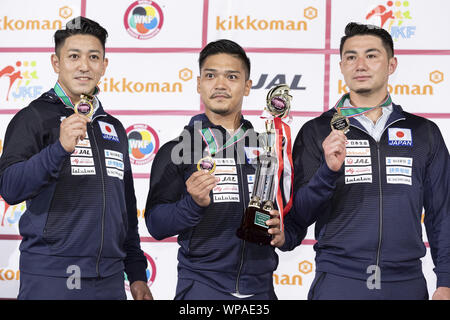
x=366 y=66
x=79 y=64
x=222 y=84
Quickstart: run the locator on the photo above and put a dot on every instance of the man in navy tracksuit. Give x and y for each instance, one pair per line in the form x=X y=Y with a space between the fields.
x=80 y=227
x=205 y=209
x=365 y=189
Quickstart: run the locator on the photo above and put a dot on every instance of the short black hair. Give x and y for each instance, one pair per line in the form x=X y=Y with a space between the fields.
x=355 y=29
x=80 y=25
x=228 y=47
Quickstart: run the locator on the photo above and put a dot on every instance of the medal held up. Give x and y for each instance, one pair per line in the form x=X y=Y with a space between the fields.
x=274 y=173
x=85 y=105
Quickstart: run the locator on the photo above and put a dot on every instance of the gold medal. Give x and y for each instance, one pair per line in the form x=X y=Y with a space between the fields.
x=206 y=163
x=340 y=122
x=85 y=106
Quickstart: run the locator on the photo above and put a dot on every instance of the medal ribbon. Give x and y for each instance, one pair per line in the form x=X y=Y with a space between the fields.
x=284 y=196
x=350 y=111
x=65 y=98
x=211 y=140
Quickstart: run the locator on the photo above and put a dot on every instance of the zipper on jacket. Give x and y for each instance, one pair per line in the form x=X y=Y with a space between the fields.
x=104 y=201
x=380 y=225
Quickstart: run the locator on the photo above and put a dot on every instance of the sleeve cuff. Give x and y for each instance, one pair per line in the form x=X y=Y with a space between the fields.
x=443 y=279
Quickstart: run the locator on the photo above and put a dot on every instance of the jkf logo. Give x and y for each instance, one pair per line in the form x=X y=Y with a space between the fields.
x=21 y=78
x=394 y=16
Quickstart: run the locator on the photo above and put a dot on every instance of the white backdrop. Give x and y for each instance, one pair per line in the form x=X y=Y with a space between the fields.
x=150 y=84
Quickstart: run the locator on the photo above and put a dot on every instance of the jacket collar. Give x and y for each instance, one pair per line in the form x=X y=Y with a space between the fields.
x=52 y=97
x=206 y=123
x=396 y=115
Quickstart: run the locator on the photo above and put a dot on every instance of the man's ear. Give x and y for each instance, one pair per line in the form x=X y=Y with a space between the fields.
x=55 y=62
x=248 y=86
x=392 y=65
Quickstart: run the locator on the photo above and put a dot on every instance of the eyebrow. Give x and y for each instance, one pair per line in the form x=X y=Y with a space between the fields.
x=78 y=50
x=226 y=71
x=367 y=51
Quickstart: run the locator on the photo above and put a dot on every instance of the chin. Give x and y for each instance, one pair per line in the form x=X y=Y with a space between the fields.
x=363 y=91
x=218 y=110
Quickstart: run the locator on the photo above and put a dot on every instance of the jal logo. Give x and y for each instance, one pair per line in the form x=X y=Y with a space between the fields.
x=357 y=161
x=143 y=19
x=400 y=137
x=267 y=81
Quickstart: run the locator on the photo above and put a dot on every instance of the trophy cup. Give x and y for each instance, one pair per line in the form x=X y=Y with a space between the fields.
x=253 y=227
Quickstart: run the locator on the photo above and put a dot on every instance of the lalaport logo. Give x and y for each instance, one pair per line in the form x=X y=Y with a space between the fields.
x=143 y=143
x=143 y=19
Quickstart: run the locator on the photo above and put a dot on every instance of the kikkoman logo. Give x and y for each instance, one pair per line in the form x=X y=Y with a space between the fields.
x=248 y=22
x=435 y=77
x=304 y=267
x=129 y=86
x=13 y=24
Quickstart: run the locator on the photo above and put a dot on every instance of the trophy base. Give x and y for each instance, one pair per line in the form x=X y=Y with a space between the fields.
x=253 y=227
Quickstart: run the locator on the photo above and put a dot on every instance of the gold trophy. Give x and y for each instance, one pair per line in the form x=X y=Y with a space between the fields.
x=253 y=227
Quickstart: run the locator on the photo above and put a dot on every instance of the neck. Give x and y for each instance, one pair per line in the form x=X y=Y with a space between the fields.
x=369 y=100
x=229 y=121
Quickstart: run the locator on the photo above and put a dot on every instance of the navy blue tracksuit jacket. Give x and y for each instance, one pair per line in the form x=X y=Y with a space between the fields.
x=370 y=212
x=81 y=207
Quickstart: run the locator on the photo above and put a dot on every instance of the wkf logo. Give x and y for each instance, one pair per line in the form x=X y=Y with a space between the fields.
x=400 y=137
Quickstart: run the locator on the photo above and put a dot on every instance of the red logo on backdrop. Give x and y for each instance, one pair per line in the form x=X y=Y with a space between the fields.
x=151 y=272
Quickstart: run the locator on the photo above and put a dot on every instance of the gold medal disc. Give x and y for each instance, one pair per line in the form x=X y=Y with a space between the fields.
x=206 y=163
x=85 y=106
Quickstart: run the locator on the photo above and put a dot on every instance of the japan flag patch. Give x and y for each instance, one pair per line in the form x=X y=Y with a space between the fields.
x=400 y=137
x=108 y=131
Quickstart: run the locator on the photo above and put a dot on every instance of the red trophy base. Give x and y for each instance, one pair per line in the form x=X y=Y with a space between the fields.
x=253 y=227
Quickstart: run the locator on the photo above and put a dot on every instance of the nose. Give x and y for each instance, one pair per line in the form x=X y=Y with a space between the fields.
x=361 y=64
x=220 y=83
x=84 y=64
